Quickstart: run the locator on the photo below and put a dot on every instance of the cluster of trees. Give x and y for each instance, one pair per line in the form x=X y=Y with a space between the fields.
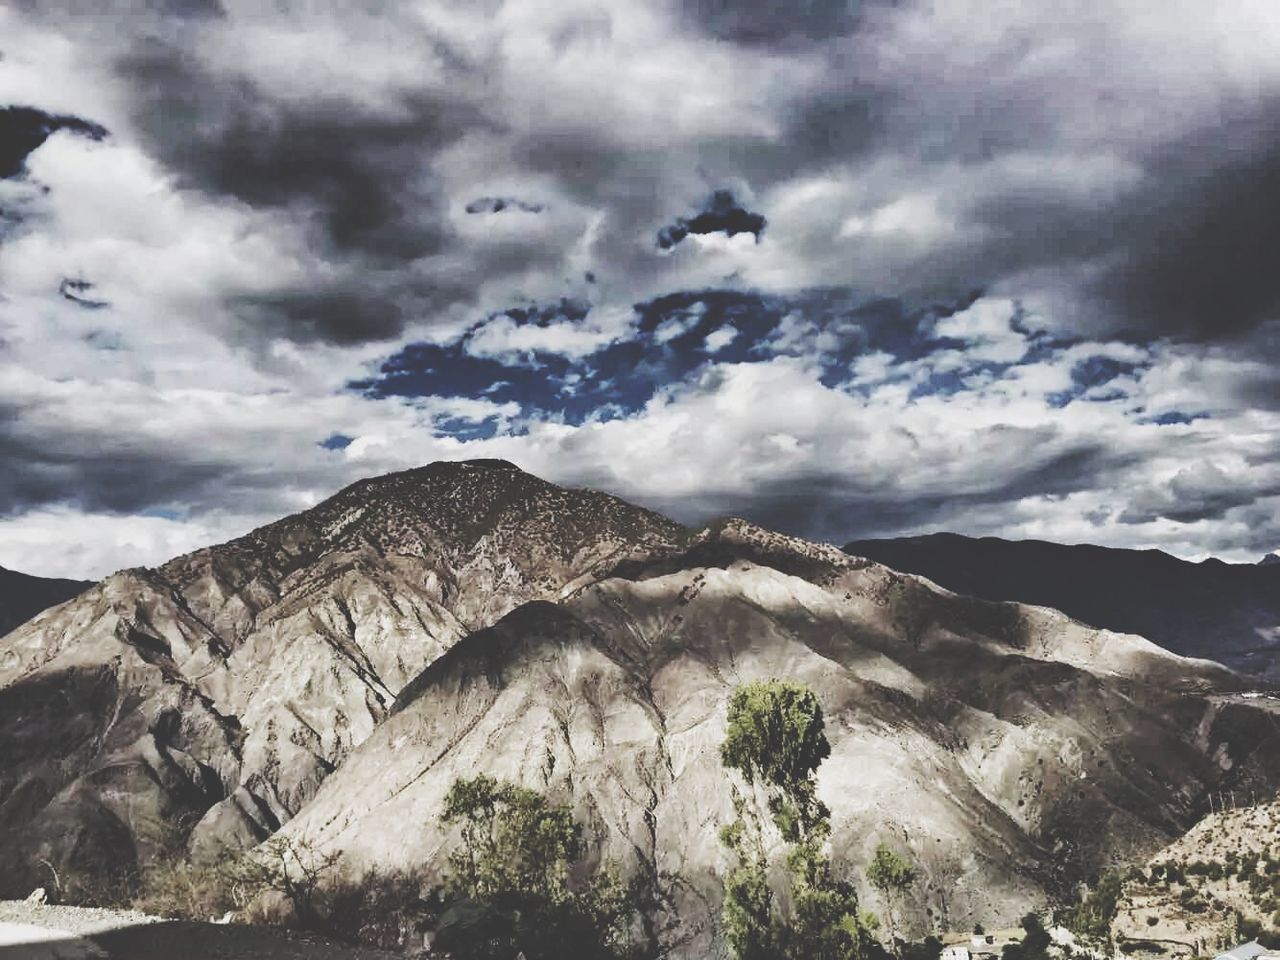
x=508 y=889
x=775 y=742
x=1092 y=915
x=512 y=885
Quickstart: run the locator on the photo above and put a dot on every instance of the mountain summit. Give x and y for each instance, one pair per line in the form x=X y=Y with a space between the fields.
x=217 y=691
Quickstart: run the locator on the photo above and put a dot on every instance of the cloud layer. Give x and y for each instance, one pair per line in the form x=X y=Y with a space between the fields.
x=852 y=269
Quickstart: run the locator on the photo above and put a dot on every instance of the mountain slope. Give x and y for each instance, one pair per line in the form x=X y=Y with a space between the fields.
x=22 y=596
x=1011 y=750
x=1226 y=612
x=222 y=687
x=1190 y=898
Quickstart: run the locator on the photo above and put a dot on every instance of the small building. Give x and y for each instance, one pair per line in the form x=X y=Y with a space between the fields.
x=1246 y=951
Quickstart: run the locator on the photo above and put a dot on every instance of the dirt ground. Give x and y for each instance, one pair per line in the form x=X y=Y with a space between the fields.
x=121 y=935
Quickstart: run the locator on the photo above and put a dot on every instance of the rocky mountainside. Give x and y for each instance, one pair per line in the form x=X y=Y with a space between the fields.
x=200 y=704
x=22 y=596
x=1190 y=898
x=1222 y=611
x=1010 y=750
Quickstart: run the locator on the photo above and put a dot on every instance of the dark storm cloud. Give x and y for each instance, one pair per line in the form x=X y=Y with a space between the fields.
x=826 y=507
x=23 y=129
x=721 y=214
x=343 y=313
x=1202 y=242
x=1198 y=492
x=359 y=172
x=78 y=292
x=773 y=21
x=499 y=204
x=45 y=471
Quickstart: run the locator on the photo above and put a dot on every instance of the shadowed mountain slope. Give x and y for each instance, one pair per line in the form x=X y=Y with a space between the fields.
x=22 y=596
x=201 y=703
x=1222 y=611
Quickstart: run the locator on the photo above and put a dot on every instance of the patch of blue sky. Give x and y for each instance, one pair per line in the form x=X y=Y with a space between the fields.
x=1171 y=417
x=336 y=441
x=667 y=344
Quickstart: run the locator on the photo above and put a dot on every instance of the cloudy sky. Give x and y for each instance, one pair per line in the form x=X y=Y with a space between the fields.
x=847 y=269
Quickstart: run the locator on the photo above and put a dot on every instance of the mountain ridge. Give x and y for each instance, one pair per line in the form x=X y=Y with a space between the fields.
x=1221 y=611
x=302 y=631
x=23 y=596
x=331 y=673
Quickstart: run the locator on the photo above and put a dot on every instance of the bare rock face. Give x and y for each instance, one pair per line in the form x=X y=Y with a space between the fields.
x=201 y=704
x=1010 y=750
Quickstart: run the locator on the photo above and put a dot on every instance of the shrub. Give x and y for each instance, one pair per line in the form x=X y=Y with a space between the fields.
x=508 y=889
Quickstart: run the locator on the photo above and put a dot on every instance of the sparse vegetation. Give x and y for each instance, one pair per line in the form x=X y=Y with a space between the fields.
x=1092 y=916
x=892 y=875
x=508 y=890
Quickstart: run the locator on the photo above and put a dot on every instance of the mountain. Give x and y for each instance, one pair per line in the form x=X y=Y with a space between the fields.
x=1008 y=749
x=331 y=674
x=1225 y=612
x=22 y=596
x=200 y=704
x=1190 y=898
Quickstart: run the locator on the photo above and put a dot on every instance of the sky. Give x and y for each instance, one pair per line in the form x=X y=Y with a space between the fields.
x=847 y=269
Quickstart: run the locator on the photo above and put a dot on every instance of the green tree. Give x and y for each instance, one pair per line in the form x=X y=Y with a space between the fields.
x=508 y=889
x=776 y=741
x=1092 y=916
x=892 y=875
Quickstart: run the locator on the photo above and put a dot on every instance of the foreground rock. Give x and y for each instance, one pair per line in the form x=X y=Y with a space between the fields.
x=199 y=705
x=1009 y=750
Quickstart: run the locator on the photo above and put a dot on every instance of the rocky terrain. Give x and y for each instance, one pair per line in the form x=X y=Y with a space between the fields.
x=1222 y=611
x=1192 y=896
x=22 y=596
x=199 y=705
x=1009 y=750
x=333 y=673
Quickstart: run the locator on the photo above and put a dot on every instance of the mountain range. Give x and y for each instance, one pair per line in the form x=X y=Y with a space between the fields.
x=1229 y=612
x=331 y=674
x=22 y=596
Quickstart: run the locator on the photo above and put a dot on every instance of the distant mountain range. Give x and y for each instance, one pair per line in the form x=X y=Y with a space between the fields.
x=1221 y=611
x=331 y=674
x=22 y=596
